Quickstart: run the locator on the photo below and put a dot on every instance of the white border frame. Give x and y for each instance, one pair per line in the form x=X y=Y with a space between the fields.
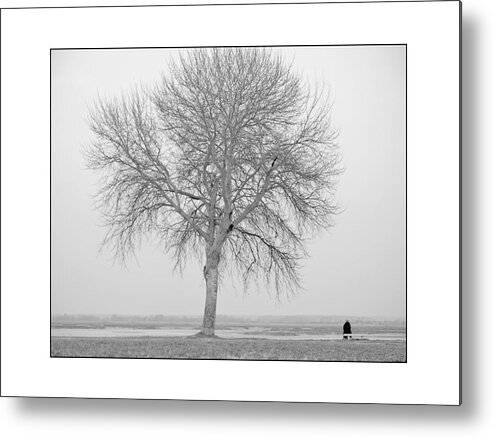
x=432 y=33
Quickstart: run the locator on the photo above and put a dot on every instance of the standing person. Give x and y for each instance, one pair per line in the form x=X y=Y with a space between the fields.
x=346 y=330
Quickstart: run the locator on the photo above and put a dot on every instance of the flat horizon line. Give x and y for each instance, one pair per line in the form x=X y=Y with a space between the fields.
x=140 y=315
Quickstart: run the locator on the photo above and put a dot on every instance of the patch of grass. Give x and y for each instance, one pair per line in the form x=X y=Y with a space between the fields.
x=229 y=349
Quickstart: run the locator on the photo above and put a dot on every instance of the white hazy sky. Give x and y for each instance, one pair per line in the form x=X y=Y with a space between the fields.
x=355 y=269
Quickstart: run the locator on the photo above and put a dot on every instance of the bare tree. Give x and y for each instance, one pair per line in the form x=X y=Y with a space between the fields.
x=230 y=158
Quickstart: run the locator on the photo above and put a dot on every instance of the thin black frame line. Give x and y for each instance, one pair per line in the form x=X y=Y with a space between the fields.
x=256 y=360
x=227 y=4
x=228 y=47
x=460 y=203
x=229 y=359
x=51 y=189
x=1 y=148
x=232 y=400
x=405 y=206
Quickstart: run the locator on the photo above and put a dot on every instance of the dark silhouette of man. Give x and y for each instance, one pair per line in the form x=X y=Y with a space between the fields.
x=346 y=330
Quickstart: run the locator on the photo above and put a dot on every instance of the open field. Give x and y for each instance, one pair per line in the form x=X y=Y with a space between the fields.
x=266 y=327
x=232 y=349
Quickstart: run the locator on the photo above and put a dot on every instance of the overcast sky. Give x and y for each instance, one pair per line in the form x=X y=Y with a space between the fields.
x=355 y=269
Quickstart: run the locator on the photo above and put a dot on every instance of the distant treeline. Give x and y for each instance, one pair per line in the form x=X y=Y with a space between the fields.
x=221 y=319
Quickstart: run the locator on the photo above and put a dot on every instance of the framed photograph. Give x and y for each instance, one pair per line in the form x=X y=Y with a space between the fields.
x=193 y=193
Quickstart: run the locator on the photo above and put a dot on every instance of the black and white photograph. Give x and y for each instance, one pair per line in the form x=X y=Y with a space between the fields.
x=229 y=203
x=235 y=203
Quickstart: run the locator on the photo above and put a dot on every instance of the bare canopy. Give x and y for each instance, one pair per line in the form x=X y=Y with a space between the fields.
x=230 y=158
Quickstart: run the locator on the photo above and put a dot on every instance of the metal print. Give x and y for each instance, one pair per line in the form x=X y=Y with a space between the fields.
x=232 y=203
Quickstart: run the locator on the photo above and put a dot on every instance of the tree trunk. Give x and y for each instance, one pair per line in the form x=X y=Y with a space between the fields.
x=211 y=273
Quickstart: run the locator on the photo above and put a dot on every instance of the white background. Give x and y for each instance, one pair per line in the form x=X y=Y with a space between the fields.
x=432 y=369
x=127 y=417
